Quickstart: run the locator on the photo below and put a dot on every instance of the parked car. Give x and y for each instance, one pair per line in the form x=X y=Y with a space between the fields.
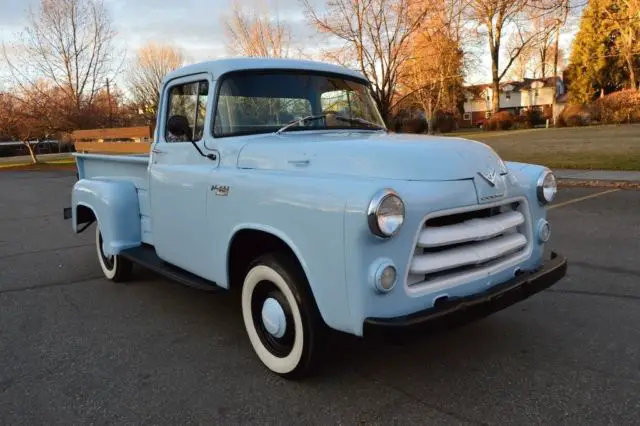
x=278 y=178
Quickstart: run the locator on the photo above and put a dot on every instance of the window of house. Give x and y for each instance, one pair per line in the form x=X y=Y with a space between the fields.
x=188 y=108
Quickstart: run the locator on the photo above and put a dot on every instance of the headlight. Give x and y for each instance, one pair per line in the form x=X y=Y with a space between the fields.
x=386 y=213
x=547 y=187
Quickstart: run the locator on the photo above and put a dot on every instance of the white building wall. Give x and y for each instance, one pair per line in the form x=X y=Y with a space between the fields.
x=544 y=96
x=477 y=105
x=514 y=101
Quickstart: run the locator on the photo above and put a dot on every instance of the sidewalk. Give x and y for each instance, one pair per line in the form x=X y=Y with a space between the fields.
x=601 y=175
x=43 y=157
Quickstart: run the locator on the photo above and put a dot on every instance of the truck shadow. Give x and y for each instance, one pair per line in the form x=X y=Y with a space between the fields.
x=487 y=341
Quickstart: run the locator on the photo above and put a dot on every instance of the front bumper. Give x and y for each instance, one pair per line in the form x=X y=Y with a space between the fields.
x=464 y=309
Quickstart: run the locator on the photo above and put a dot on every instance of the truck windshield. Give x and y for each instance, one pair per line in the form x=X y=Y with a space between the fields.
x=265 y=101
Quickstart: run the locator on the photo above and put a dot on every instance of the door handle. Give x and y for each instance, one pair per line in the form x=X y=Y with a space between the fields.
x=158 y=151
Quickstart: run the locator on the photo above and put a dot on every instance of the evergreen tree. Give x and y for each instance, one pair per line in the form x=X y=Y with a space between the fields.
x=595 y=66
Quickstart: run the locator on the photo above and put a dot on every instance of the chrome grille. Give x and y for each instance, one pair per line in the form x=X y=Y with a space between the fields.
x=453 y=245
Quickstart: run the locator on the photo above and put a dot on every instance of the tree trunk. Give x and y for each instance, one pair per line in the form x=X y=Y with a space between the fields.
x=429 y=116
x=430 y=125
x=632 y=72
x=495 y=87
x=495 y=99
x=32 y=153
x=554 y=104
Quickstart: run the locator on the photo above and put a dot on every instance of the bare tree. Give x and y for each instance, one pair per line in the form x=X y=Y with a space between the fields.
x=26 y=116
x=67 y=43
x=495 y=16
x=525 y=64
x=537 y=58
x=251 y=31
x=544 y=51
x=374 y=35
x=153 y=61
x=434 y=73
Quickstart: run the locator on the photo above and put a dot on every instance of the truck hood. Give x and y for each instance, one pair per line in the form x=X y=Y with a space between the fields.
x=370 y=154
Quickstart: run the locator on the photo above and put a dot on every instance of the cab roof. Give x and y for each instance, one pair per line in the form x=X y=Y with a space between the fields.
x=217 y=67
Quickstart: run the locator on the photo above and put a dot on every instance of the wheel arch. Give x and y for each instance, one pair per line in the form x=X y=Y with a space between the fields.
x=114 y=206
x=247 y=242
x=82 y=214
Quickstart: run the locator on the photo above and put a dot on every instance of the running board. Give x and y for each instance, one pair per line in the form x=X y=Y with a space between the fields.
x=145 y=256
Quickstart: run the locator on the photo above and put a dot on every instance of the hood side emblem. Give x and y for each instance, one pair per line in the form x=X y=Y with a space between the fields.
x=489 y=176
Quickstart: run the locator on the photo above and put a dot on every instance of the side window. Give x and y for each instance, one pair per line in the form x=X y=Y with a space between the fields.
x=187 y=110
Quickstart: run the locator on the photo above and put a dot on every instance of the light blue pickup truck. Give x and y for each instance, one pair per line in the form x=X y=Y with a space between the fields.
x=278 y=178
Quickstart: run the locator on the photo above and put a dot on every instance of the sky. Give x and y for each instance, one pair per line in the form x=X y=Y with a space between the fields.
x=194 y=25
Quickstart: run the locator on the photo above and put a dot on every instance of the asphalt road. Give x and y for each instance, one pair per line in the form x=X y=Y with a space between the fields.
x=77 y=349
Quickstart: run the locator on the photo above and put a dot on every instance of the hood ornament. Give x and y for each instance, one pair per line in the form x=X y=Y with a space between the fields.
x=489 y=176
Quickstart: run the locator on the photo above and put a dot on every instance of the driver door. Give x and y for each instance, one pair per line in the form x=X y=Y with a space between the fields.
x=178 y=174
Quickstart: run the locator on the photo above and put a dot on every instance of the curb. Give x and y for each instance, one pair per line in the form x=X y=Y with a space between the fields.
x=594 y=183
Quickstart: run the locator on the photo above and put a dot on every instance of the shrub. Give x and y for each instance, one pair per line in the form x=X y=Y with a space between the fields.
x=489 y=125
x=502 y=120
x=534 y=117
x=413 y=125
x=619 y=107
x=445 y=122
x=575 y=115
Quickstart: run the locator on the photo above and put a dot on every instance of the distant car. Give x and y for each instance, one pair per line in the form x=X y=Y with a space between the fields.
x=323 y=222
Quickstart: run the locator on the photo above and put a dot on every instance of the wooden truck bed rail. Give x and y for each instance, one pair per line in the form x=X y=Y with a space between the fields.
x=122 y=140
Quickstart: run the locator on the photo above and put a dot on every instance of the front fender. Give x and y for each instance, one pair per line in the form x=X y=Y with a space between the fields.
x=115 y=206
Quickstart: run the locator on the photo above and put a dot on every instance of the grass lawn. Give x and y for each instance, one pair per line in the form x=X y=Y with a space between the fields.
x=57 y=164
x=614 y=147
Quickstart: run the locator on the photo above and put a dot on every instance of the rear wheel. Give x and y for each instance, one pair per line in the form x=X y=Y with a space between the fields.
x=280 y=317
x=113 y=267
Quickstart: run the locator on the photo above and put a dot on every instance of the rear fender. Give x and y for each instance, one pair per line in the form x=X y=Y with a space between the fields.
x=114 y=205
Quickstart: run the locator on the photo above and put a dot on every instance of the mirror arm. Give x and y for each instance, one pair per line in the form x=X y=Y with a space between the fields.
x=212 y=157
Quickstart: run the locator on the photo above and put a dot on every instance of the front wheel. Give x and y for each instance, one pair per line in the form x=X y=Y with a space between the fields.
x=113 y=267
x=280 y=317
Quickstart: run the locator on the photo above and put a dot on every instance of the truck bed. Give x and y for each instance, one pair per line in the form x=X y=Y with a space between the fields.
x=132 y=168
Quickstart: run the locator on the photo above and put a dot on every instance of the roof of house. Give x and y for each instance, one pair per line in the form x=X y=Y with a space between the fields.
x=217 y=67
x=477 y=90
x=518 y=85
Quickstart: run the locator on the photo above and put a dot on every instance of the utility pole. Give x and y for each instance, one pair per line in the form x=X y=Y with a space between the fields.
x=109 y=101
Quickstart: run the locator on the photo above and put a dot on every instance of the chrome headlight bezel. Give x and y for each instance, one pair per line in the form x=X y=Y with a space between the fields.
x=548 y=194
x=373 y=213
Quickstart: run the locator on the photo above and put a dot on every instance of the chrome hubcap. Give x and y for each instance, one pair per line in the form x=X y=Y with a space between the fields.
x=273 y=318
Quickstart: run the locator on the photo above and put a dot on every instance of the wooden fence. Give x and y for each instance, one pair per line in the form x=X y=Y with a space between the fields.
x=121 y=140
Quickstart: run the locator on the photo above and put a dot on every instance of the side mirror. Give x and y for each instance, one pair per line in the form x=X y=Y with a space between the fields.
x=178 y=125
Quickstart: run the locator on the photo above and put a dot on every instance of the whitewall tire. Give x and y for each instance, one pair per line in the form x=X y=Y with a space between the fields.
x=114 y=267
x=279 y=315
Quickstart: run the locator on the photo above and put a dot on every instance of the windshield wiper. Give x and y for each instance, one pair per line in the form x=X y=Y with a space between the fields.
x=301 y=121
x=360 y=120
x=337 y=116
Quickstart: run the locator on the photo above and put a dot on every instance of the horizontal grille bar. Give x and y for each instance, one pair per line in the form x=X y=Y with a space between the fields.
x=471 y=230
x=470 y=254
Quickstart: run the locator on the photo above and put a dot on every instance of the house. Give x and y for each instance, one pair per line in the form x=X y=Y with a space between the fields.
x=515 y=96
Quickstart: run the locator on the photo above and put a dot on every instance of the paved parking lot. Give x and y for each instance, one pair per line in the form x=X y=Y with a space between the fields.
x=75 y=348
